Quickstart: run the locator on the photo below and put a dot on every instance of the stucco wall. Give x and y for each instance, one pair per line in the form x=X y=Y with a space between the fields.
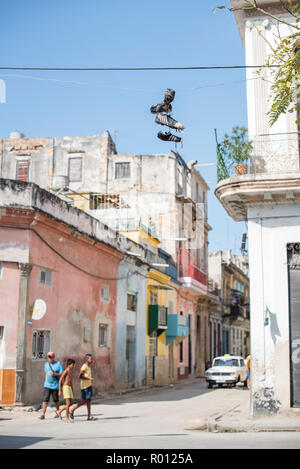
x=134 y=281
x=271 y=227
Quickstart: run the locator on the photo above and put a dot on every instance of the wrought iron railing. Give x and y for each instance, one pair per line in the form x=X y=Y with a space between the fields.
x=271 y=154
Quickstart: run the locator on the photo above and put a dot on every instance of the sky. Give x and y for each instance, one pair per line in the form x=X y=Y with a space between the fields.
x=132 y=33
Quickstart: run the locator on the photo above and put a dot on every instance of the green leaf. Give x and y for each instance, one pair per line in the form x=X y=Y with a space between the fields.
x=220 y=8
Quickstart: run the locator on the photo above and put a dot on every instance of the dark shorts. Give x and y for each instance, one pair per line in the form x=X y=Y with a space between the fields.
x=50 y=392
x=86 y=393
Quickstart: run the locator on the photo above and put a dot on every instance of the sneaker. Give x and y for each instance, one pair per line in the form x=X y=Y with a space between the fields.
x=164 y=119
x=161 y=107
x=169 y=96
x=168 y=137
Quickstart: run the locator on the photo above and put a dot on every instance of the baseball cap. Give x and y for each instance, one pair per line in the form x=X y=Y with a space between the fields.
x=51 y=354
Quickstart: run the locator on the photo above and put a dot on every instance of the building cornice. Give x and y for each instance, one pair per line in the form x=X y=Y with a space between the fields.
x=241 y=15
x=236 y=193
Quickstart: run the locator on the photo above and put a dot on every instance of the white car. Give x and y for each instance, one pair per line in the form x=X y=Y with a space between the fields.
x=228 y=370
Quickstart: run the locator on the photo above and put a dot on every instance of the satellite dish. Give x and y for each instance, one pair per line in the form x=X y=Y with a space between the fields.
x=39 y=309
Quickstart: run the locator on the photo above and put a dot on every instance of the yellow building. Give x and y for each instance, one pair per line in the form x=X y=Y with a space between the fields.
x=162 y=306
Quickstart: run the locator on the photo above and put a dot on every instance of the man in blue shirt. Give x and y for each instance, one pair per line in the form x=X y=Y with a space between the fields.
x=53 y=371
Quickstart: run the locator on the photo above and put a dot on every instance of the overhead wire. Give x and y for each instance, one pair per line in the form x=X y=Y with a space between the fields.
x=115 y=69
x=100 y=85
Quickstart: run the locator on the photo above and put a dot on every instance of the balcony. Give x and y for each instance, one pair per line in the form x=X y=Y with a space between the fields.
x=238 y=306
x=188 y=272
x=163 y=262
x=178 y=328
x=273 y=175
x=157 y=319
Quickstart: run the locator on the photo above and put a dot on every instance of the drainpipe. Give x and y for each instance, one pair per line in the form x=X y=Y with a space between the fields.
x=23 y=311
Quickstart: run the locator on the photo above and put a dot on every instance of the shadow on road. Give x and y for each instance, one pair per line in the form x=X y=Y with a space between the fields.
x=159 y=394
x=18 y=442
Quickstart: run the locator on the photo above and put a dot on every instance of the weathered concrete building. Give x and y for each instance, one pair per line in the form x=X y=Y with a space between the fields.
x=160 y=191
x=229 y=319
x=63 y=274
x=269 y=199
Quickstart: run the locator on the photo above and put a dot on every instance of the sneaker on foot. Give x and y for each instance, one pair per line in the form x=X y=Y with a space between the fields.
x=164 y=119
x=168 y=137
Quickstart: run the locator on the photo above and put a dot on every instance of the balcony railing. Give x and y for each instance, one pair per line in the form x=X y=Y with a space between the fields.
x=271 y=154
x=187 y=267
x=157 y=319
x=178 y=327
x=163 y=262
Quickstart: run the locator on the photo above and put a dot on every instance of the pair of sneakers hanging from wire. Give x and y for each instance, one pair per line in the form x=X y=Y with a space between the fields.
x=163 y=111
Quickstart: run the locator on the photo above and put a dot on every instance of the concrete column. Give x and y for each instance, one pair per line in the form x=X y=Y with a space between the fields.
x=23 y=314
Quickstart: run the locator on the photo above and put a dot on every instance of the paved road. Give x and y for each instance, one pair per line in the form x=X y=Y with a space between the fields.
x=165 y=418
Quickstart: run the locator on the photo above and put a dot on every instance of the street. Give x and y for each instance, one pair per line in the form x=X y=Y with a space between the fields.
x=169 y=418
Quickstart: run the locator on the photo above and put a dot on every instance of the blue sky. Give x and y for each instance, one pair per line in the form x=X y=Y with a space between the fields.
x=118 y=33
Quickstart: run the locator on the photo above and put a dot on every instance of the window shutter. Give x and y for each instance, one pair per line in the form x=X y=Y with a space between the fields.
x=22 y=170
x=122 y=170
x=75 y=169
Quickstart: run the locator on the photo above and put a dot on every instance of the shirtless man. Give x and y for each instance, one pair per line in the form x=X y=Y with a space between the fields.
x=65 y=388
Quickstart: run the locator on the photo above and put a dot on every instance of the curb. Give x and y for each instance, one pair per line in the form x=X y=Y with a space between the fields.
x=214 y=426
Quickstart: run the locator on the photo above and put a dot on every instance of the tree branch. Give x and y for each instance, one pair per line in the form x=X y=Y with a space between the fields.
x=254 y=6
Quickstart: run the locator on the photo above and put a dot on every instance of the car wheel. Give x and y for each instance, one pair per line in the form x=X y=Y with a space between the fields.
x=210 y=386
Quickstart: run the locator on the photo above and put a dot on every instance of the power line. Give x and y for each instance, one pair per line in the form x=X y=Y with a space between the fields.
x=100 y=85
x=134 y=69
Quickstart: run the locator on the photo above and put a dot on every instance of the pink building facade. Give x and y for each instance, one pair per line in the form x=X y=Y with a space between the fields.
x=58 y=285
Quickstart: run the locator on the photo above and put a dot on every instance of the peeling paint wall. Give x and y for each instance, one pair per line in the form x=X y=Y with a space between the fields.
x=48 y=159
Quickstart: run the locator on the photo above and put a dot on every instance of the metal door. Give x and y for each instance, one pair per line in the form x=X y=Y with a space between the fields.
x=294 y=296
x=152 y=355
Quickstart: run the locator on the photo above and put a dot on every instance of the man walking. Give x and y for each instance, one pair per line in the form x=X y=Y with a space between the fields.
x=66 y=388
x=53 y=371
x=86 y=387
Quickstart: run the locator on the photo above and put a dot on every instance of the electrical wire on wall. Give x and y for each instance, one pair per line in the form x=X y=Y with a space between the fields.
x=67 y=260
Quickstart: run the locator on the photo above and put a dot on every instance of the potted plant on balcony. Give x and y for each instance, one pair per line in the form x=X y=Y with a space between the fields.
x=236 y=150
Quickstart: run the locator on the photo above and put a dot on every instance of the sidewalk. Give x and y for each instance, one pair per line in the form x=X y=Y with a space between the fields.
x=238 y=419
x=111 y=395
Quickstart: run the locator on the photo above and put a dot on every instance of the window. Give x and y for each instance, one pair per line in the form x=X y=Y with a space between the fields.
x=181 y=352
x=153 y=298
x=75 y=169
x=122 y=170
x=131 y=302
x=46 y=276
x=104 y=293
x=40 y=344
x=103 y=339
x=86 y=334
x=22 y=170
x=1 y=332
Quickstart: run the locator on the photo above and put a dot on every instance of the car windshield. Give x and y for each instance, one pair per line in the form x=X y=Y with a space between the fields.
x=226 y=362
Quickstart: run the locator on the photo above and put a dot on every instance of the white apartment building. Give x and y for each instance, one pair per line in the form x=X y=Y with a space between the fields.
x=268 y=197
